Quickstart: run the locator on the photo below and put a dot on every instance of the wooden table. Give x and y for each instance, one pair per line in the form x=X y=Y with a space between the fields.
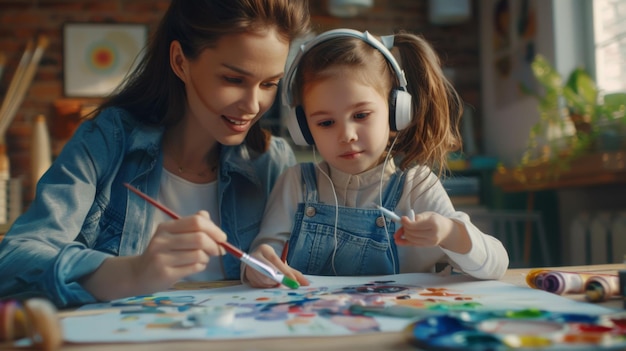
x=375 y=341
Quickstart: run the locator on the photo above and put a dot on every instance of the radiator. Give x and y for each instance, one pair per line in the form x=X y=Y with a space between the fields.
x=598 y=238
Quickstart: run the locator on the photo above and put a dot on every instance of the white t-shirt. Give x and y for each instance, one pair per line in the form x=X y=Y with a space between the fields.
x=187 y=198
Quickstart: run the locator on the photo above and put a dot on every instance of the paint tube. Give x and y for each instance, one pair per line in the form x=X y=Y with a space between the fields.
x=534 y=277
x=601 y=288
x=563 y=282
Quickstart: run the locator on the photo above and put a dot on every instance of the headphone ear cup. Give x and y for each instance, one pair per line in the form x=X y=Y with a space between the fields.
x=298 y=128
x=400 y=114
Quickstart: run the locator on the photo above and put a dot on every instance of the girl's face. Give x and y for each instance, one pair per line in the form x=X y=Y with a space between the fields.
x=230 y=86
x=348 y=119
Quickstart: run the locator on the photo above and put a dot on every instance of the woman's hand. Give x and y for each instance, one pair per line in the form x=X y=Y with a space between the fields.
x=432 y=229
x=177 y=249
x=266 y=254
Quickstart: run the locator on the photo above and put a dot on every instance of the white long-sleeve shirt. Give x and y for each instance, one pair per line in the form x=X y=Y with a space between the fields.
x=487 y=258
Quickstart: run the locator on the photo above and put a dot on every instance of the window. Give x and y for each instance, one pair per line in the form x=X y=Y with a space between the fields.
x=609 y=28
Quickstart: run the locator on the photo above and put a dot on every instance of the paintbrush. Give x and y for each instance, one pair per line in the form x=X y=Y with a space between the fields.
x=20 y=84
x=244 y=257
x=394 y=217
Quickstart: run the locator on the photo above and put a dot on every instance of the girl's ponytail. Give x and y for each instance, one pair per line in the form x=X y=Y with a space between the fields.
x=437 y=107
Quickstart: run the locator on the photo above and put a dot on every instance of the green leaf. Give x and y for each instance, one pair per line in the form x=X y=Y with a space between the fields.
x=549 y=78
x=615 y=105
x=581 y=94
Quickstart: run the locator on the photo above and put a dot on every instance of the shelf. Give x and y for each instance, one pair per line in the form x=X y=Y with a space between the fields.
x=588 y=170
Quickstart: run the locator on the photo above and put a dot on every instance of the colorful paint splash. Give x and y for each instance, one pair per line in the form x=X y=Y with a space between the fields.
x=352 y=307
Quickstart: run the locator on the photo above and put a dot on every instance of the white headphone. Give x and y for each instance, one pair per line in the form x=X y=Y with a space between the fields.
x=400 y=113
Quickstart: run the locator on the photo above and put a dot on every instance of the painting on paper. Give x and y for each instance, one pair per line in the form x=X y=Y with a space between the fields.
x=330 y=306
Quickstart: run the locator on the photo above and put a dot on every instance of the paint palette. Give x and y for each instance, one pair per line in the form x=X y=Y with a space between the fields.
x=519 y=330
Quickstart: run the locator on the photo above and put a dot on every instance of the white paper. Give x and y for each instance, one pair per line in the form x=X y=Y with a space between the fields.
x=320 y=309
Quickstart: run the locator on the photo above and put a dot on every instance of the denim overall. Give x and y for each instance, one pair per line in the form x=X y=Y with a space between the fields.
x=363 y=245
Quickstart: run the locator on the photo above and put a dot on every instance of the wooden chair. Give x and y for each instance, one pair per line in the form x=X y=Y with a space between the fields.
x=516 y=230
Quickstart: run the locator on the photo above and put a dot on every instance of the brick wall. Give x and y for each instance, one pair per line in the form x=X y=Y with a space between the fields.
x=21 y=20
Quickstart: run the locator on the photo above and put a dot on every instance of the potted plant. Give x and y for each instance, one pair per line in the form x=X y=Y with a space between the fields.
x=574 y=117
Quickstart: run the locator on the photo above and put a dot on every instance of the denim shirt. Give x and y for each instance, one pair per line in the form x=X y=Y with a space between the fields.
x=83 y=214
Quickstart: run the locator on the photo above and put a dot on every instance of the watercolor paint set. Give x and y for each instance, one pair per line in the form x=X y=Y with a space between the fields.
x=519 y=330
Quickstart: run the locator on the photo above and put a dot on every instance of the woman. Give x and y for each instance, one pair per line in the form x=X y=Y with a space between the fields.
x=183 y=129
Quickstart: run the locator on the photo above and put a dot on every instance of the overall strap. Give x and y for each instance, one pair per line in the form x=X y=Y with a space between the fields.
x=393 y=192
x=310 y=182
x=392 y=195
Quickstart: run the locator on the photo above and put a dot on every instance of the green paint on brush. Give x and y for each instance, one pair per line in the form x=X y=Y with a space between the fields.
x=290 y=283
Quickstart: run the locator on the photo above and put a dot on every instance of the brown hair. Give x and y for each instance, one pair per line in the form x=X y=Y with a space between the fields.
x=154 y=94
x=436 y=109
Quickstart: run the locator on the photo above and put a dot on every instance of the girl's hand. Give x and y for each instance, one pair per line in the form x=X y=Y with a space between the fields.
x=432 y=229
x=177 y=249
x=266 y=254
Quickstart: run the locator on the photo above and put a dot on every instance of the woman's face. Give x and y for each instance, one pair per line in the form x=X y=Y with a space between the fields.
x=348 y=119
x=230 y=86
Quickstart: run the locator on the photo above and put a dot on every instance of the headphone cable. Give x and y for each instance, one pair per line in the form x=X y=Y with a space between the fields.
x=332 y=186
x=380 y=199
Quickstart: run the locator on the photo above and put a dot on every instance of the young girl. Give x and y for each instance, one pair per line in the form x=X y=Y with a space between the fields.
x=381 y=135
x=183 y=129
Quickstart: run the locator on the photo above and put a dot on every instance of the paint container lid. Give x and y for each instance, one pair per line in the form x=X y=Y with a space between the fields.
x=212 y=316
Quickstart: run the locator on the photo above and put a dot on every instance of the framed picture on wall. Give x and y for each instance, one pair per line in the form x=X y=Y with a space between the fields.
x=97 y=56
